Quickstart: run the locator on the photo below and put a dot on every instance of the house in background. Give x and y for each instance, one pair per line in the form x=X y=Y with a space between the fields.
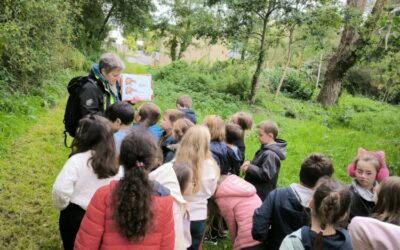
x=200 y=51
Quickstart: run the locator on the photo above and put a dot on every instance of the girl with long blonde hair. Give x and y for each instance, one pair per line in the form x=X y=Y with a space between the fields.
x=194 y=150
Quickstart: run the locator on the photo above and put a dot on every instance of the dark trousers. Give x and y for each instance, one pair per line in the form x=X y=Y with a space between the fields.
x=70 y=220
x=197 y=228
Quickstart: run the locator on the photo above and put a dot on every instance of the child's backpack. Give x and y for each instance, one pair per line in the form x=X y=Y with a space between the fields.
x=72 y=113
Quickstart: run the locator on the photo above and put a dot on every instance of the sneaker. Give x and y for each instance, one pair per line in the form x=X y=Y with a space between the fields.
x=211 y=240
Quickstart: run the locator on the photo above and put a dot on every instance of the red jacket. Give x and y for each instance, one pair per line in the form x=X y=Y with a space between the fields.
x=99 y=231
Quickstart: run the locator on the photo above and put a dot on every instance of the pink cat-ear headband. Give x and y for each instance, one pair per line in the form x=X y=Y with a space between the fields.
x=383 y=171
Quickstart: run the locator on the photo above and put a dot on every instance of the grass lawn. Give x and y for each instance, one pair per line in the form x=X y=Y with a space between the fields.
x=31 y=159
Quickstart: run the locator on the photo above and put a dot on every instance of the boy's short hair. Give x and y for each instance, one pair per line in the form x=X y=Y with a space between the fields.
x=149 y=113
x=184 y=101
x=243 y=119
x=233 y=133
x=173 y=115
x=121 y=110
x=315 y=166
x=269 y=127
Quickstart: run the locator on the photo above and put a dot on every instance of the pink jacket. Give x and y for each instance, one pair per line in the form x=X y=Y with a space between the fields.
x=237 y=200
x=368 y=234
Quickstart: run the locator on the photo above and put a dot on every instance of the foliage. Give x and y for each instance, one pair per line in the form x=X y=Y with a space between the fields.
x=29 y=53
x=93 y=20
x=296 y=84
x=130 y=41
x=185 y=21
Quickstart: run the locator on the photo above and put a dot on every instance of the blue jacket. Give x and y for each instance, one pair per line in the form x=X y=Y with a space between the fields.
x=189 y=114
x=280 y=214
x=224 y=158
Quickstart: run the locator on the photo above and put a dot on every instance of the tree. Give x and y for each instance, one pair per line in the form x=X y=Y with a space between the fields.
x=185 y=20
x=93 y=19
x=352 y=42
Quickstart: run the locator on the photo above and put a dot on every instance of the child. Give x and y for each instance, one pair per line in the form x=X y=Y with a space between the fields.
x=237 y=200
x=383 y=229
x=184 y=173
x=133 y=213
x=148 y=116
x=170 y=116
x=367 y=169
x=245 y=121
x=166 y=176
x=329 y=206
x=178 y=130
x=91 y=165
x=263 y=170
x=194 y=150
x=285 y=209
x=184 y=104
x=121 y=115
x=218 y=147
x=233 y=133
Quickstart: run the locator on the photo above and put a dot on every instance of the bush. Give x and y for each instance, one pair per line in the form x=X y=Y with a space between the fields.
x=32 y=34
x=358 y=81
x=295 y=85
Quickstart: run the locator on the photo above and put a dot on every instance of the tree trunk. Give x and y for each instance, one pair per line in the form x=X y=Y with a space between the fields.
x=289 y=57
x=260 y=62
x=103 y=27
x=319 y=69
x=346 y=55
x=174 y=45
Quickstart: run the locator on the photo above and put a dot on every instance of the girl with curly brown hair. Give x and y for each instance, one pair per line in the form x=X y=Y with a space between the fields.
x=134 y=212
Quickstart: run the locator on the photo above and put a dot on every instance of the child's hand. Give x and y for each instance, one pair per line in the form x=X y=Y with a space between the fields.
x=245 y=166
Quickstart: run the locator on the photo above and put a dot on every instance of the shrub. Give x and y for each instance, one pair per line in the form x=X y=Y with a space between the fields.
x=295 y=85
x=32 y=34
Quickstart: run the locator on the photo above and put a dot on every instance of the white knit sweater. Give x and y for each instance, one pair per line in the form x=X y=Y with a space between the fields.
x=77 y=182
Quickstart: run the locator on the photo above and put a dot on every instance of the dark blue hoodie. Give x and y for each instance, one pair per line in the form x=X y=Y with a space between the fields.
x=189 y=114
x=280 y=214
x=340 y=241
x=221 y=155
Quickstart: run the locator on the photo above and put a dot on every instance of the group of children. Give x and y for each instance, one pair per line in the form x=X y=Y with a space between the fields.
x=150 y=186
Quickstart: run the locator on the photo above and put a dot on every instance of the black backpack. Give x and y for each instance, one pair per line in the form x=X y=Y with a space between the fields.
x=72 y=113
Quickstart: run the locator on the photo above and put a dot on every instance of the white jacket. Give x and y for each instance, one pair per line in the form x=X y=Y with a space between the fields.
x=77 y=182
x=165 y=175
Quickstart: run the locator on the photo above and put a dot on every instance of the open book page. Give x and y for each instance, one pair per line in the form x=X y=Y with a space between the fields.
x=136 y=86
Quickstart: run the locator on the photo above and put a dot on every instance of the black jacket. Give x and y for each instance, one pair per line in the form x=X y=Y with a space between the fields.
x=359 y=206
x=280 y=214
x=264 y=168
x=94 y=98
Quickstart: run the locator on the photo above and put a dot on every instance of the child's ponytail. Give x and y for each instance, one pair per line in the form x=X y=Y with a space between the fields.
x=331 y=202
x=133 y=194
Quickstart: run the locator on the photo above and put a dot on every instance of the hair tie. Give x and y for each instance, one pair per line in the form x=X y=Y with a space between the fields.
x=139 y=164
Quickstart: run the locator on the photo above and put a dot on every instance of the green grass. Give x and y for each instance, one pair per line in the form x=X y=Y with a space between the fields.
x=32 y=151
